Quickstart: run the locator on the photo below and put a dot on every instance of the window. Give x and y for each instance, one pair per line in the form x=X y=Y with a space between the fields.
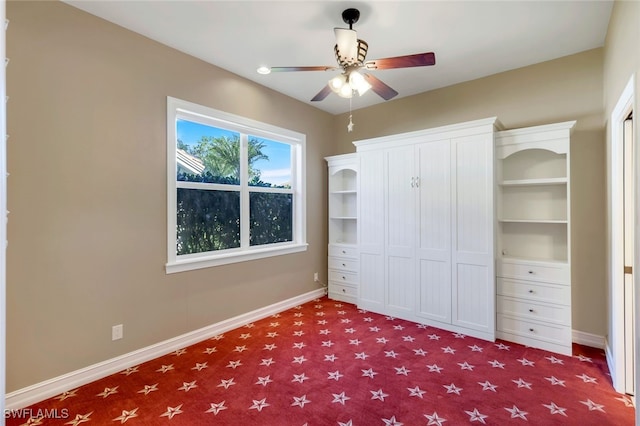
x=235 y=188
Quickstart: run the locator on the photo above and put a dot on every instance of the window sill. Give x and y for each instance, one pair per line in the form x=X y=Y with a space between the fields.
x=183 y=265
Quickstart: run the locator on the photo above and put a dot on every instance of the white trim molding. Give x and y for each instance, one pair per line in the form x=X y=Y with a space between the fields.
x=55 y=386
x=588 y=339
x=615 y=338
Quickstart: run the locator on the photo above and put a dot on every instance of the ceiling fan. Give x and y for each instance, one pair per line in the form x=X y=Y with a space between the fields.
x=350 y=54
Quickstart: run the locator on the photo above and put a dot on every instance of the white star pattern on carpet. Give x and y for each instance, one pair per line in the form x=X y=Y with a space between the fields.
x=172 y=411
x=148 y=389
x=259 y=404
x=434 y=419
x=264 y=381
x=340 y=398
x=416 y=392
x=300 y=401
x=216 y=408
x=554 y=409
x=517 y=413
x=476 y=416
x=126 y=415
x=378 y=395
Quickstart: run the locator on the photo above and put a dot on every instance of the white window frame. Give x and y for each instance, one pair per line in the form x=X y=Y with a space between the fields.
x=179 y=109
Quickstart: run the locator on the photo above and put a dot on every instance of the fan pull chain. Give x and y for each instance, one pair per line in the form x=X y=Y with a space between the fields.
x=350 y=125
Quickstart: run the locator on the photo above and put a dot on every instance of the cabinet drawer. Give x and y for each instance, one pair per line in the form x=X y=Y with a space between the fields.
x=343 y=277
x=534 y=291
x=343 y=264
x=342 y=289
x=342 y=251
x=536 y=311
x=555 y=273
x=547 y=332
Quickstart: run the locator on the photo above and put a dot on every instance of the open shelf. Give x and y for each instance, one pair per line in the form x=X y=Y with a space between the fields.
x=534 y=182
x=532 y=221
x=533 y=164
x=535 y=260
x=343 y=200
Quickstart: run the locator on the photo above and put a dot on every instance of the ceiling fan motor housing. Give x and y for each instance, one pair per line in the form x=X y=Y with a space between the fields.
x=345 y=61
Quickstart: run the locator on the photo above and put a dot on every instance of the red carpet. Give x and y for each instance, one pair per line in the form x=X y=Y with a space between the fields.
x=327 y=363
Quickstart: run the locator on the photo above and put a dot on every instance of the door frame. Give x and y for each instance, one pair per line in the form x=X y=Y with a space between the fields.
x=615 y=339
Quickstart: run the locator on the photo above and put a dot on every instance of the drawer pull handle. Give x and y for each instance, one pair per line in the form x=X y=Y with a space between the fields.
x=344 y=265
x=531 y=291
x=531 y=272
x=344 y=290
x=344 y=278
x=344 y=252
x=531 y=310
x=531 y=330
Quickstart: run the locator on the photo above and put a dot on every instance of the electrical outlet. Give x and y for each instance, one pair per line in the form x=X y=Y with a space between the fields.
x=117 y=332
x=315 y=277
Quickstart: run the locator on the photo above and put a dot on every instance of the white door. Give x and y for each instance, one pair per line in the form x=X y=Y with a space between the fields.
x=400 y=203
x=629 y=300
x=473 y=288
x=433 y=248
x=370 y=231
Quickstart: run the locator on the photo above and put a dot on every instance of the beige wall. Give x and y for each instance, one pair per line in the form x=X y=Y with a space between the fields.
x=87 y=194
x=568 y=88
x=87 y=191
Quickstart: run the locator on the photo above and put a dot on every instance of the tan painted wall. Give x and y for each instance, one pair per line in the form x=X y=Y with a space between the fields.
x=87 y=194
x=568 y=88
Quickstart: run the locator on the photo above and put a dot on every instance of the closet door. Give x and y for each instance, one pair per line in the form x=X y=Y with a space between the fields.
x=400 y=230
x=433 y=248
x=473 y=288
x=370 y=231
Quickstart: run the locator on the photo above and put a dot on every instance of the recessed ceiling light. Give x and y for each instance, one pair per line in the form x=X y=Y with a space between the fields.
x=264 y=70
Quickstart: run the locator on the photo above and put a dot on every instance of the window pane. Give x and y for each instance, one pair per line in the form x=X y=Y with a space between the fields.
x=207 y=220
x=269 y=163
x=207 y=154
x=270 y=218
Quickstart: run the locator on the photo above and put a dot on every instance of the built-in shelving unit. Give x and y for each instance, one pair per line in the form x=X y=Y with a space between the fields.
x=343 y=228
x=534 y=236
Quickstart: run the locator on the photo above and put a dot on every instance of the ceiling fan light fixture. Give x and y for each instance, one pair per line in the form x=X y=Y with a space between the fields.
x=337 y=82
x=358 y=83
x=345 y=91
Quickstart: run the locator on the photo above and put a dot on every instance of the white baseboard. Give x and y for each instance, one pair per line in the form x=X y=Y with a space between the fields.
x=40 y=391
x=588 y=339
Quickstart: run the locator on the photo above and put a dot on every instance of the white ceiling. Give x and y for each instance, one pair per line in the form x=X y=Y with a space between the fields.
x=471 y=39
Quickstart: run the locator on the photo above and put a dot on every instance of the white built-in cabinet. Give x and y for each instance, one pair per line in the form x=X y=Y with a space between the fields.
x=343 y=230
x=426 y=237
x=462 y=227
x=534 y=236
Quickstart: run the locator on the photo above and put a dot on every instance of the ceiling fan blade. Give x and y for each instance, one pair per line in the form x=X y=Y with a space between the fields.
x=407 y=61
x=347 y=42
x=384 y=91
x=318 y=68
x=322 y=94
